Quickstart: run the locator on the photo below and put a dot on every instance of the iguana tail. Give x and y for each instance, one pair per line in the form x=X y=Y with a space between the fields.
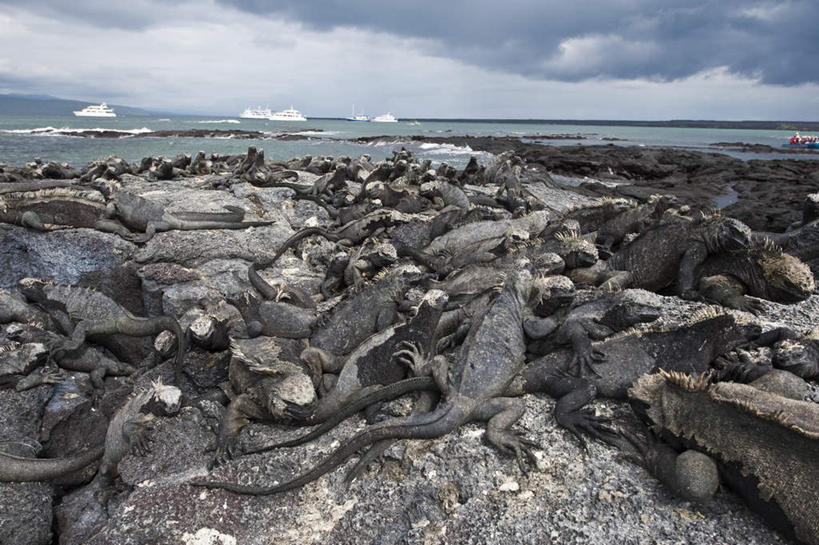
x=427 y=426
x=384 y=393
x=234 y=214
x=304 y=233
x=21 y=469
x=145 y=327
x=200 y=225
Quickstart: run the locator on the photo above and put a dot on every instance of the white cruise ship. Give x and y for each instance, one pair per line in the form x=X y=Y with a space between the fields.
x=288 y=115
x=384 y=118
x=256 y=113
x=94 y=110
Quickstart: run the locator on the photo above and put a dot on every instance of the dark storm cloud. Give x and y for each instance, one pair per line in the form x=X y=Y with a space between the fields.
x=774 y=41
x=662 y=40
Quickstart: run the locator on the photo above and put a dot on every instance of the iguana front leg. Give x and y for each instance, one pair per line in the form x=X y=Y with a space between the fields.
x=135 y=433
x=585 y=356
x=422 y=365
x=691 y=259
x=44 y=375
x=729 y=293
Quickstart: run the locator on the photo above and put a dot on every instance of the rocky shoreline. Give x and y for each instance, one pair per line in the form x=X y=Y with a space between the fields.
x=457 y=488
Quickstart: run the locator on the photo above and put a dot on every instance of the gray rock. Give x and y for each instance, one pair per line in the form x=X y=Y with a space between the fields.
x=25 y=508
x=72 y=256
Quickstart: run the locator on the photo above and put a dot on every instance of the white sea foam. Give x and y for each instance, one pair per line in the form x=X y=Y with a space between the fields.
x=445 y=149
x=316 y=133
x=38 y=130
x=220 y=121
x=68 y=131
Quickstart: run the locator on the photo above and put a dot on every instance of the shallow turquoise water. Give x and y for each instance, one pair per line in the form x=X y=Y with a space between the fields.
x=23 y=138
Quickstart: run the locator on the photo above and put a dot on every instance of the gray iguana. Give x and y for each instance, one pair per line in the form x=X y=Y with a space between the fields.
x=140 y=214
x=126 y=432
x=83 y=312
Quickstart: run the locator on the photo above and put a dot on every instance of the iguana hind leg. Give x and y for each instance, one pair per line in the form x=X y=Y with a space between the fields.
x=501 y=413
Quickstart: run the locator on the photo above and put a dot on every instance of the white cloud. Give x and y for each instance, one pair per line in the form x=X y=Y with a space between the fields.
x=592 y=54
x=768 y=12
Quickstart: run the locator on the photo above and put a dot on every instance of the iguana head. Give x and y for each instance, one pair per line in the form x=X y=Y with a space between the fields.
x=722 y=233
x=550 y=293
x=284 y=388
x=575 y=250
x=787 y=279
x=168 y=397
x=32 y=289
x=632 y=307
x=800 y=357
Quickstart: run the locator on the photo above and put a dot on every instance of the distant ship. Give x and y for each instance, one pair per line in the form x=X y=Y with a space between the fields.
x=94 y=110
x=256 y=113
x=288 y=115
x=358 y=117
x=385 y=118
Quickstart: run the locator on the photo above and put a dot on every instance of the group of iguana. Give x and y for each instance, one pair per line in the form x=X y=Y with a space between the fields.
x=463 y=287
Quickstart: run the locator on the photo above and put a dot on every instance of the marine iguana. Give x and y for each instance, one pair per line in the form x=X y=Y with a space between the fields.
x=126 y=431
x=372 y=308
x=21 y=366
x=351 y=233
x=12 y=309
x=597 y=319
x=372 y=364
x=634 y=220
x=97 y=316
x=762 y=270
x=140 y=214
x=766 y=444
x=803 y=241
x=52 y=208
x=471 y=233
x=487 y=362
x=270 y=385
x=668 y=254
x=688 y=347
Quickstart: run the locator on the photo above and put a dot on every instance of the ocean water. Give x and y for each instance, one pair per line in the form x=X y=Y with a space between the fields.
x=23 y=138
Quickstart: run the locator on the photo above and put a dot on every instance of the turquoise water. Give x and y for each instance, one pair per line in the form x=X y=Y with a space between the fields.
x=24 y=138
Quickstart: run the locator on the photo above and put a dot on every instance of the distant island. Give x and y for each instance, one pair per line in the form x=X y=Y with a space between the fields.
x=16 y=104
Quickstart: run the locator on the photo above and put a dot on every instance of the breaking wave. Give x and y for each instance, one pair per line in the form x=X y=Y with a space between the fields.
x=67 y=131
x=220 y=121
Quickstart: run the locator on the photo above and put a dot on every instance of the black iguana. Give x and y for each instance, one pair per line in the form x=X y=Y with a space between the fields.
x=766 y=444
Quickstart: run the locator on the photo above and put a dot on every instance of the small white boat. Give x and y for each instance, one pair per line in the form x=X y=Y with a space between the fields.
x=414 y=123
x=358 y=117
x=289 y=114
x=95 y=110
x=256 y=113
x=384 y=118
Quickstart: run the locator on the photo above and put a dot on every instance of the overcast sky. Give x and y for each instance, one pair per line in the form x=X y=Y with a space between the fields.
x=592 y=59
